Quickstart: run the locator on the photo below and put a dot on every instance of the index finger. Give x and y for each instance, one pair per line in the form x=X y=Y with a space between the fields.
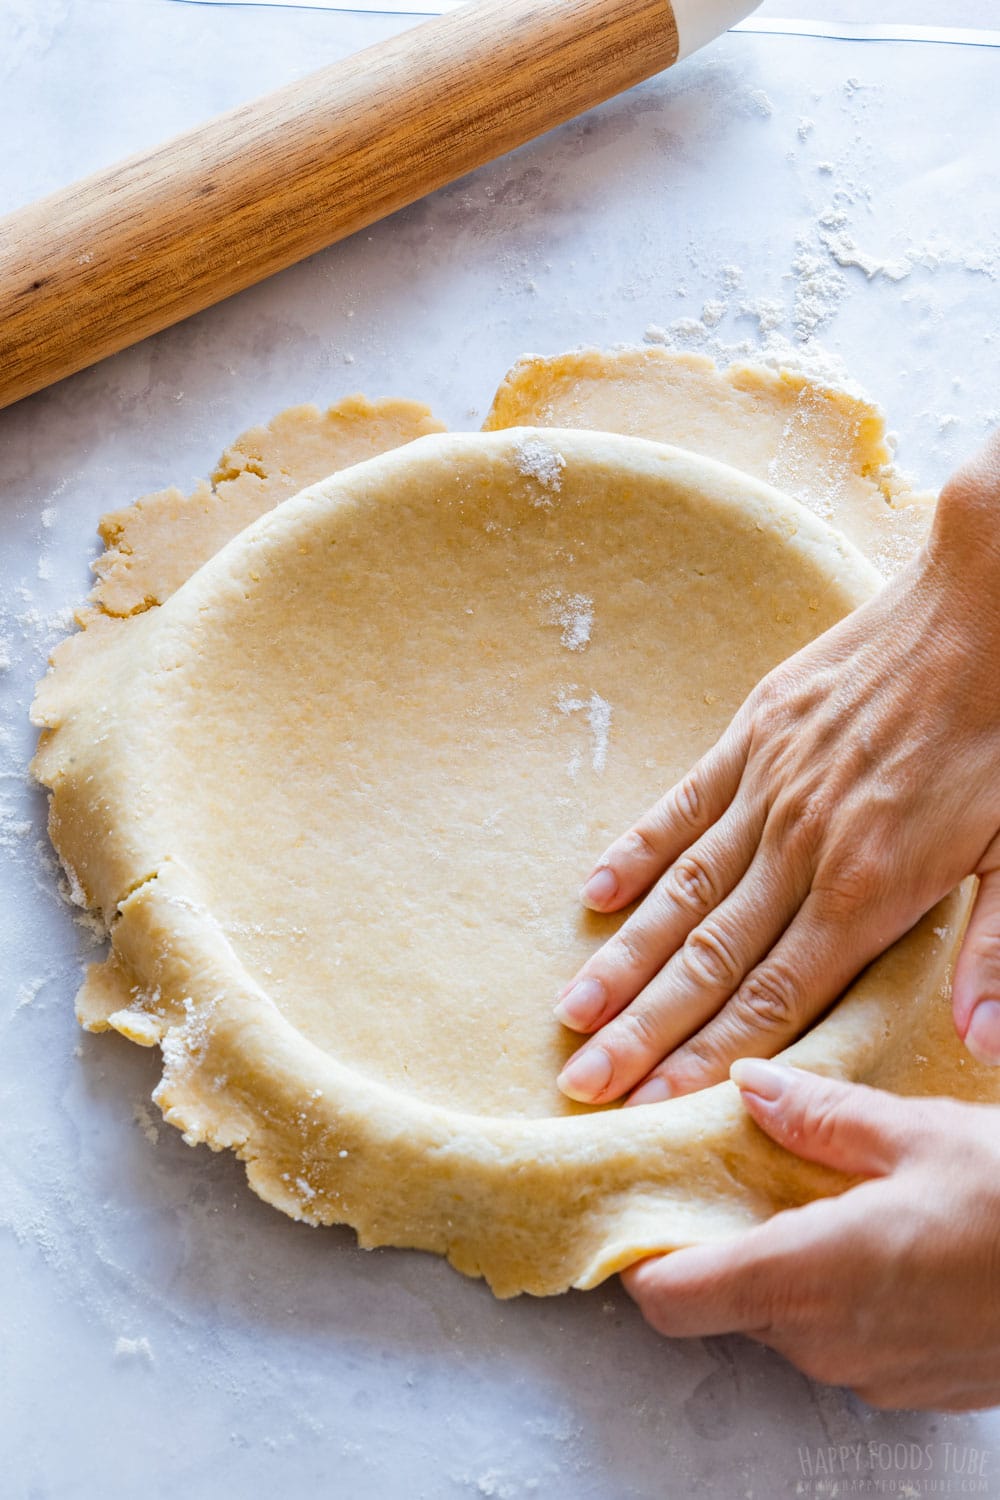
x=763 y=1282
x=637 y=859
x=704 y=1290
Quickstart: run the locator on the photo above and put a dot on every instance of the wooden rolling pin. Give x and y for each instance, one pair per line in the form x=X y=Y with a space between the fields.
x=137 y=247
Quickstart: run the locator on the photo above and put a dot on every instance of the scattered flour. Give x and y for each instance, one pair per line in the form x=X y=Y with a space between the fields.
x=537 y=460
x=138 y=1349
x=574 y=613
x=14 y=828
x=827 y=244
x=598 y=712
x=143 y=1117
x=71 y=888
x=184 y=1045
x=819 y=291
x=847 y=252
x=493 y=1486
x=599 y=719
x=685 y=331
x=768 y=312
x=28 y=993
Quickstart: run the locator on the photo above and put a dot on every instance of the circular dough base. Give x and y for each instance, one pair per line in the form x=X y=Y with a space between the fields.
x=335 y=798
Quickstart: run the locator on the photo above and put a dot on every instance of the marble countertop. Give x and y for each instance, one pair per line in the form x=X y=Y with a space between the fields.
x=165 y=1333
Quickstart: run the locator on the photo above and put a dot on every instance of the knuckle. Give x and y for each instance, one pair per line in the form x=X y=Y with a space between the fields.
x=634 y=1030
x=822 y=1121
x=766 y=695
x=766 y=1001
x=773 y=710
x=710 y=958
x=627 y=949
x=800 y=819
x=690 y=884
x=686 y=801
x=638 y=844
x=702 y=1059
x=846 y=886
x=680 y=808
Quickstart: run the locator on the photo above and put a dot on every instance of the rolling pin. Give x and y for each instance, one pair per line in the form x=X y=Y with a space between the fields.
x=141 y=245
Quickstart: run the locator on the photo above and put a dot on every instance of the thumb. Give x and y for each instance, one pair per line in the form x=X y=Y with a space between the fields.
x=850 y=1127
x=975 y=990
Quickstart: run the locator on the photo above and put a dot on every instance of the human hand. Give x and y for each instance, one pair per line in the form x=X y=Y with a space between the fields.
x=858 y=785
x=892 y=1288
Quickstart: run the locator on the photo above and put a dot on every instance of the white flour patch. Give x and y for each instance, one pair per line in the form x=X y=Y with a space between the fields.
x=768 y=311
x=71 y=887
x=28 y=993
x=183 y=1046
x=819 y=292
x=14 y=829
x=574 y=614
x=536 y=460
x=139 y=1349
x=598 y=711
x=599 y=719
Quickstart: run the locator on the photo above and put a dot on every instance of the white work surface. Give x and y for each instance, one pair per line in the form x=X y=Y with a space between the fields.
x=162 y=1331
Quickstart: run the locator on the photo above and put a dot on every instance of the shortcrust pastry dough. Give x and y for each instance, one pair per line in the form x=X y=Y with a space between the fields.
x=331 y=770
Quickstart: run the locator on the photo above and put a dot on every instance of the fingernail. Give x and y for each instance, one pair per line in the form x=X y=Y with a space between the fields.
x=600 y=888
x=983 y=1035
x=653 y=1091
x=765 y=1079
x=586 y=1074
x=582 y=1005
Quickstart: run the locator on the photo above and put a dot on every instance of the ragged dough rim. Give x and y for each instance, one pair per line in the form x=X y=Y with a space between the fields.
x=535 y=1205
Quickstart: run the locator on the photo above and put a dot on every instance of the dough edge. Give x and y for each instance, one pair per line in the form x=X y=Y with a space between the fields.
x=294 y=1157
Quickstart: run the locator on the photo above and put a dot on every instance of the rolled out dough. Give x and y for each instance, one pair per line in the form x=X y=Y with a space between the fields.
x=331 y=773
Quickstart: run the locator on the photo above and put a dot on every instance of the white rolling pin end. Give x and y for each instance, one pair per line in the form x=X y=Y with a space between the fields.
x=701 y=21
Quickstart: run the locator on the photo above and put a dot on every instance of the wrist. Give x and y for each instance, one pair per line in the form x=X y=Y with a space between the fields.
x=965 y=537
x=951 y=590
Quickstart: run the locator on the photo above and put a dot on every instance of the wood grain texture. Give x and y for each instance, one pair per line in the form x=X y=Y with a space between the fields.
x=133 y=249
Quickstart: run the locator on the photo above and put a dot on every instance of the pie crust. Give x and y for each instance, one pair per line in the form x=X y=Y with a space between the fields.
x=330 y=769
